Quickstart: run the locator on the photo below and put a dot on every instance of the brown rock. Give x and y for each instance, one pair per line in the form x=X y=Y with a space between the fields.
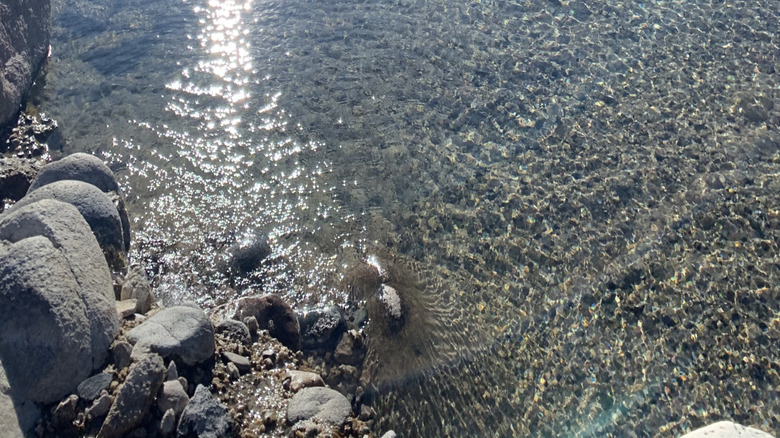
x=272 y=314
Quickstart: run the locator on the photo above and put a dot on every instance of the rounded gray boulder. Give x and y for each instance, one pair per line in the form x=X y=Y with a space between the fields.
x=66 y=229
x=91 y=170
x=181 y=333
x=95 y=206
x=80 y=167
x=38 y=290
x=318 y=403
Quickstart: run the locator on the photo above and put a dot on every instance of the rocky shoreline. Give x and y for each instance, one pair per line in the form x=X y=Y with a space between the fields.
x=86 y=350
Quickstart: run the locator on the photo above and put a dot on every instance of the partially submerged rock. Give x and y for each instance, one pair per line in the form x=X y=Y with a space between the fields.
x=273 y=314
x=726 y=429
x=318 y=403
x=25 y=29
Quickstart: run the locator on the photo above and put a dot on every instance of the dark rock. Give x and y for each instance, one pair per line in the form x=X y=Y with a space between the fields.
x=135 y=397
x=235 y=330
x=321 y=328
x=100 y=407
x=95 y=206
x=65 y=412
x=180 y=332
x=242 y=363
x=136 y=286
x=204 y=417
x=16 y=174
x=167 y=423
x=172 y=396
x=247 y=254
x=91 y=388
x=350 y=349
x=25 y=28
x=318 y=403
x=272 y=314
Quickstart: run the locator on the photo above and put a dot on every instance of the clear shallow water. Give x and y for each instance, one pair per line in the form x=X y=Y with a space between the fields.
x=588 y=189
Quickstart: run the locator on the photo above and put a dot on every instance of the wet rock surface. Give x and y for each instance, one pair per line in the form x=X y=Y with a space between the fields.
x=322 y=404
x=272 y=314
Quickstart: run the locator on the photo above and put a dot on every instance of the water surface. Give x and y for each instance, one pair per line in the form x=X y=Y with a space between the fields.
x=588 y=189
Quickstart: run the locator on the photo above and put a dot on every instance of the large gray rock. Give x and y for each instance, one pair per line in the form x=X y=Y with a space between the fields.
x=135 y=397
x=24 y=45
x=318 y=403
x=38 y=290
x=94 y=205
x=65 y=228
x=89 y=169
x=17 y=415
x=726 y=429
x=274 y=315
x=204 y=417
x=181 y=332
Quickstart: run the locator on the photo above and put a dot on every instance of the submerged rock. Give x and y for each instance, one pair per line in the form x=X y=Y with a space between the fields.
x=248 y=254
x=411 y=328
x=318 y=403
